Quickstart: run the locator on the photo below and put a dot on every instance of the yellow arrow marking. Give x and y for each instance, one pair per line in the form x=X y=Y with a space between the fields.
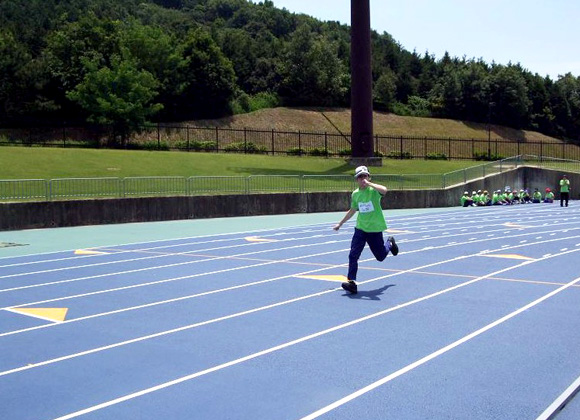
x=509 y=256
x=48 y=314
x=258 y=239
x=325 y=278
x=88 y=252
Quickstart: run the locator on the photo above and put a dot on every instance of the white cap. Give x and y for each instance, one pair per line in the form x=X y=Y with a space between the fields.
x=361 y=170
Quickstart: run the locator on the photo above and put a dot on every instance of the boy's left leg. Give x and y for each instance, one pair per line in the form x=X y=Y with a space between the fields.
x=378 y=248
x=377 y=245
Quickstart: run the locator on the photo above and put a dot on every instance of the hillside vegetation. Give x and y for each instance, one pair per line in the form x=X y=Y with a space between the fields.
x=337 y=120
x=121 y=63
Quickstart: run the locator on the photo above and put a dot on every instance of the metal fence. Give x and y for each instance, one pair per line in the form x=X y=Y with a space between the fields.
x=83 y=188
x=217 y=139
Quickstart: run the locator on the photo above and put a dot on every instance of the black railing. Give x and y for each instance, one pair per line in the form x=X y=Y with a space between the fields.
x=299 y=143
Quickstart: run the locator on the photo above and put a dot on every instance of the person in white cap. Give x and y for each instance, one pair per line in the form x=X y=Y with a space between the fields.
x=370 y=224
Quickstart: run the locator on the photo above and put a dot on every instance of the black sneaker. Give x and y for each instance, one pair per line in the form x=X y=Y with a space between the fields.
x=393 y=245
x=350 y=286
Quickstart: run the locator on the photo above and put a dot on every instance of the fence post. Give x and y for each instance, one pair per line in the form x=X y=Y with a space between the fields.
x=272 y=142
x=120 y=188
x=449 y=148
x=443 y=180
x=245 y=142
x=299 y=144
x=187 y=136
x=158 y=138
x=217 y=139
x=325 y=144
x=401 y=153
x=541 y=152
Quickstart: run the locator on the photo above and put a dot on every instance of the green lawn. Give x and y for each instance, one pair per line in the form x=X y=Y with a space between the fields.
x=46 y=163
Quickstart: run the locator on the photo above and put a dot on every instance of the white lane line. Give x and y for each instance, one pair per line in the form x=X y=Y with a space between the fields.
x=157 y=241
x=211 y=321
x=273 y=233
x=163 y=302
x=307 y=338
x=161 y=255
x=224 y=290
x=165 y=243
x=119 y=251
x=208 y=259
x=322 y=226
x=435 y=354
x=206 y=273
x=137 y=270
x=561 y=401
x=205 y=293
x=247 y=266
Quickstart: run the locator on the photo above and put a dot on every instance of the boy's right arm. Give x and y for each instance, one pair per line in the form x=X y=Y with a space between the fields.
x=346 y=217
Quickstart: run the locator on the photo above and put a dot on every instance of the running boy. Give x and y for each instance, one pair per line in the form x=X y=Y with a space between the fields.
x=370 y=224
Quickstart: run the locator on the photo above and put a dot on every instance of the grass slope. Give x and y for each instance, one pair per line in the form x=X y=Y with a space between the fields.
x=333 y=120
x=48 y=163
x=44 y=163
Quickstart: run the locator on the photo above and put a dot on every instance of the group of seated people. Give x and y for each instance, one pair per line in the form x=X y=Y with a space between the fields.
x=498 y=198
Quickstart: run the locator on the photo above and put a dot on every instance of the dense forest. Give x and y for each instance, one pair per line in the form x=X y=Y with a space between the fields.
x=125 y=62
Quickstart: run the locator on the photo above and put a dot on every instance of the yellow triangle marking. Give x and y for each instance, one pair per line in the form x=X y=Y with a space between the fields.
x=258 y=239
x=516 y=226
x=89 y=252
x=325 y=278
x=48 y=314
x=509 y=256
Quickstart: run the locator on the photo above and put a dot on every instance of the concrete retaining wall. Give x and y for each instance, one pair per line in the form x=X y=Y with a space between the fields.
x=30 y=215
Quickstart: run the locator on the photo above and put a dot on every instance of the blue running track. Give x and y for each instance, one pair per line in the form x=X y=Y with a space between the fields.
x=478 y=317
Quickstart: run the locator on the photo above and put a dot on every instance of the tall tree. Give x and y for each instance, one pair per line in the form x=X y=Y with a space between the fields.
x=120 y=96
x=311 y=72
x=208 y=77
x=385 y=90
x=510 y=95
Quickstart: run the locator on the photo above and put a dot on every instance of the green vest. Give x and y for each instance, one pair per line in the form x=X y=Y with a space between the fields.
x=370 y=213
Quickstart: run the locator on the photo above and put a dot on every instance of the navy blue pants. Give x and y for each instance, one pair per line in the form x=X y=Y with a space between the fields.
x=359 y=239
